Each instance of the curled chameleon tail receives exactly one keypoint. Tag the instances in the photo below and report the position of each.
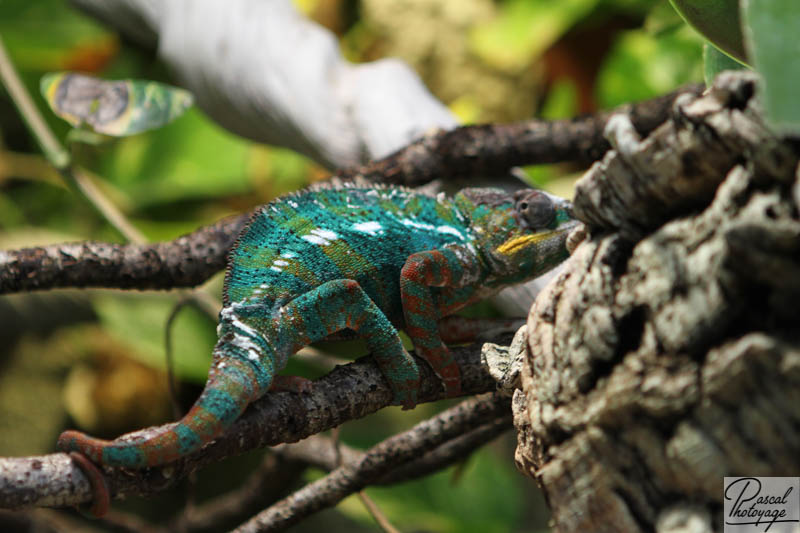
(232, 385)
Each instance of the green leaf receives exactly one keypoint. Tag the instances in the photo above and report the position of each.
(771, 35)
(119, 108)
(715, 62)
(716, 20)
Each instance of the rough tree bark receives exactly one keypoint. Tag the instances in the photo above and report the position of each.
(665, 356)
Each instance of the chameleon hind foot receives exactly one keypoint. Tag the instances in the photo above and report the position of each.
(342, 304)
(101, 499)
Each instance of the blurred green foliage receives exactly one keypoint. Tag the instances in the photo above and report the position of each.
(493, 59)
(524, 29)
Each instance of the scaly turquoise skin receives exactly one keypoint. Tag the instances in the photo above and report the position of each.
(372, 260)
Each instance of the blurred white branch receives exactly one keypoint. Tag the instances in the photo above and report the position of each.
(264, 71)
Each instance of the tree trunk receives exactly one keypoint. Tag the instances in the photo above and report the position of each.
(665, 356)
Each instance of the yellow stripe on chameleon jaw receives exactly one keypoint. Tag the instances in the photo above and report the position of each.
(514, 245)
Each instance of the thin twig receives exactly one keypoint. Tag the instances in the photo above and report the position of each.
(125, 522)
(205, 303)
(336, 445)
(274, 477)
(53, 150)
(172, 386)
(377, 462)
(449, 453)
(377, 514)
(81, 181)
(317, 451)
(372, 508)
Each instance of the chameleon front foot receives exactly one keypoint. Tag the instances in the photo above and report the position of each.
(443, 364)
(101, 499)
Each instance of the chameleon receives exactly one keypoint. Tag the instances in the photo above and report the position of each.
(369, 260)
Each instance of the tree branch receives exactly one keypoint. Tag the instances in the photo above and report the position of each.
(348, 392)
(493, 149)
(275, 475)
(193, 258)
(318, 451)
(187, 261)
(377, 462)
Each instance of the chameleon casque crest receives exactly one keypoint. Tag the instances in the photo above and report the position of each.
(367, 259)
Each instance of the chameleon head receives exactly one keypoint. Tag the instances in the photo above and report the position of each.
(521, 234)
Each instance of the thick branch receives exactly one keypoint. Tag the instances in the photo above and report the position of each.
(492, 149)
(377, 462)
(645, 182)
(348, 392)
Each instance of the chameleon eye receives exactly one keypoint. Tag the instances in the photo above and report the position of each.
(536, 209)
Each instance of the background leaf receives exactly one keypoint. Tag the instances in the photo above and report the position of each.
(118, 108)
(717, 20)
(771, 35)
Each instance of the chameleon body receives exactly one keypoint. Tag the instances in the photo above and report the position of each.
(371, 260)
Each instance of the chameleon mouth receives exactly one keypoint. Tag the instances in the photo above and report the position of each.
(514, 245)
